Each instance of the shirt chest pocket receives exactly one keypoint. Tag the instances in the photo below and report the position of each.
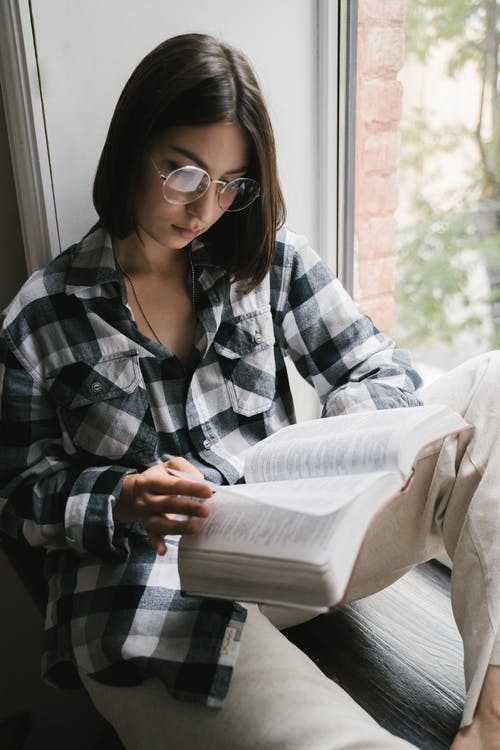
(245, 349)
(104, 410)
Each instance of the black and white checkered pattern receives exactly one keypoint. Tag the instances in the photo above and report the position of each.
(86, 398)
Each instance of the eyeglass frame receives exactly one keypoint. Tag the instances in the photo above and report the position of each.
(164, 177)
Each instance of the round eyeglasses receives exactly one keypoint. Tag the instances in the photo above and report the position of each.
(187, 184)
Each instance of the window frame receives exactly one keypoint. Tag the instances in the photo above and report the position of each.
(347, 51)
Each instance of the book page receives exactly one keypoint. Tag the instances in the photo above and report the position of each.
(239, 523)
(350, 451)
(314, 496)
(348, 444)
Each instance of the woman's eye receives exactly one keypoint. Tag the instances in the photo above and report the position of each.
(166, 166)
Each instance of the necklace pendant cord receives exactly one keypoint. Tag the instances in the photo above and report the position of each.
(138, 302)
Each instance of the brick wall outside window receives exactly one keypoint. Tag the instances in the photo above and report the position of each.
(378, 113)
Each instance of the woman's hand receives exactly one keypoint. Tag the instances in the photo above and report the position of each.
(154, 497)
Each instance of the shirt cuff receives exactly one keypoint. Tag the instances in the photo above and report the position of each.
(89, 523)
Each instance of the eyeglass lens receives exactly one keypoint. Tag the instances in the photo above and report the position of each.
(186, 184)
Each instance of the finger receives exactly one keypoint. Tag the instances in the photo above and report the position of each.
(158, 543)
(165, 526)
(157, 481)
(173, 504)
(181, 464)
(190, 487)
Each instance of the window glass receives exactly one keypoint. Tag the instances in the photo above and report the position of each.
(427, 176)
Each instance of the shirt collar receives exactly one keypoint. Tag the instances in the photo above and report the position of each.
(93, 263)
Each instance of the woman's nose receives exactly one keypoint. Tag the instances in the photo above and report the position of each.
(205, 207)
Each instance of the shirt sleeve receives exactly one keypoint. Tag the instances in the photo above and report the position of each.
(47, 494)
(350, 363)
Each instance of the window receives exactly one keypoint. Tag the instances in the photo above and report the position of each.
(426, 255)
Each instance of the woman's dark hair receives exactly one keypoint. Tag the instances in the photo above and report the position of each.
(193, 79)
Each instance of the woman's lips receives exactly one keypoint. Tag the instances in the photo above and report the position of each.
(185, 233)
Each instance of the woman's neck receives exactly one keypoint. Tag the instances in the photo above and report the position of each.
(145, 257)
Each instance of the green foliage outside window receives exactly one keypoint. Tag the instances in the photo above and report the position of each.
(451, 233)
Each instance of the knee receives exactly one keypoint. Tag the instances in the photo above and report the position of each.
(488, 365)
(475, 381)
(481, 380)
(494, 357)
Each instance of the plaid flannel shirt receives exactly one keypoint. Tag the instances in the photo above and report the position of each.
(86, 398)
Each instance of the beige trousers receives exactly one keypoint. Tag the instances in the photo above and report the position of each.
(278, 699)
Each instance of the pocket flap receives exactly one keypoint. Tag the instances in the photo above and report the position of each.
(245, 335)
(84, 383)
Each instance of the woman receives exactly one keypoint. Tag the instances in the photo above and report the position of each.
(159, 342)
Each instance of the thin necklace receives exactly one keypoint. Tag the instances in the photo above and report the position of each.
(146, 320)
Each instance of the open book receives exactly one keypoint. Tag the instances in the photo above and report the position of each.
(291, 535)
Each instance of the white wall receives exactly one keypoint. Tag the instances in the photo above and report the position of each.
(86, 52)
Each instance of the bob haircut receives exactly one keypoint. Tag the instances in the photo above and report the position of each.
(193, 79)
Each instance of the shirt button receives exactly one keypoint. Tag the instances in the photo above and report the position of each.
(257, 337)
(96, 386)
(207, 444)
